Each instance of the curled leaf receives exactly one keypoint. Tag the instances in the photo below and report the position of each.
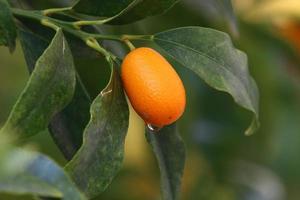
(100, 157)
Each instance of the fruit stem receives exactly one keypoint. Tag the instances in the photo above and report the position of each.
(129, 44)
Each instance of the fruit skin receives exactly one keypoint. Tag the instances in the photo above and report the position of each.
(153, 87)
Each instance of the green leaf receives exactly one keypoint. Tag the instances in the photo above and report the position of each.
(169, 150)
(100, 157)
(144, 9)
(48, 90)
(66, 134)
(103, 8)
(134, 10)
(33, 47)
(7, 26)
(211, 55)
(28, 172)
(67, 126)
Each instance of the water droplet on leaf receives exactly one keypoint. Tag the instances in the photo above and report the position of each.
(153, 128)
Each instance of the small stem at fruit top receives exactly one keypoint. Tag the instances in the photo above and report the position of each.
(129, 44)
(55, 10)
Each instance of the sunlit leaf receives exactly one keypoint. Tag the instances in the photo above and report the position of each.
(100, 157)
(211, 55)
(48, 90)
(170, 153)
(7, 26)
(27, 172)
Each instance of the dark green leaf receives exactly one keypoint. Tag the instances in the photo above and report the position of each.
(33, 47)
(7, 26)
(66, 133)
(135, 9)
(103, 8)
(67, 126)
(170, 153)
(100, 157)
(211, 55)
(144, 9)
(28, 172)
(49, 89)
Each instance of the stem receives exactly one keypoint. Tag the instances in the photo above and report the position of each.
(55, 10)
(93, 43)
(80, 23)
(89, 38)
(68, 26)
(28, 14)
(137, 37)
(106, 37)
(47, 23)
(37, 15)
(129, 44)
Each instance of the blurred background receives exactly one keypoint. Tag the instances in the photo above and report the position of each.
(222, 163)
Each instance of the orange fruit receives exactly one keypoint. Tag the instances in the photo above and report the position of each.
(153, 87)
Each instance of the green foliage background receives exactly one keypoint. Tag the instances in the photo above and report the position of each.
(222, 163)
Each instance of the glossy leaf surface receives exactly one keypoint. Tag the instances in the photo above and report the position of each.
(212, 56)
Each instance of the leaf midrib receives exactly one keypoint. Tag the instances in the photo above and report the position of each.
(218, 64)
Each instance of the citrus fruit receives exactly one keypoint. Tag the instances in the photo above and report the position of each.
(153, 87)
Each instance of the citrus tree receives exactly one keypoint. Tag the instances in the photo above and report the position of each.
(90, 130)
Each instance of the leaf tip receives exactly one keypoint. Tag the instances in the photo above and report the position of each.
(254, 126)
